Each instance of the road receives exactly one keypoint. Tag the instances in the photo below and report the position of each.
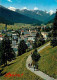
(39, 73)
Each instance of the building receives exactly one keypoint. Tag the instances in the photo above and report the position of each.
(14, 36)
(45, 34)
(31, 38)
(1, 37)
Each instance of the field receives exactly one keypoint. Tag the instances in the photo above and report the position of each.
(16, 26)
(48, 63)
(19, 66)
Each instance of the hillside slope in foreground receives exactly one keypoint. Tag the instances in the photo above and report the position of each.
(47, 64)
(48, 61)
(18, 66)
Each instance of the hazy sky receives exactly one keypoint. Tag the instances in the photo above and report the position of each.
(31, 4)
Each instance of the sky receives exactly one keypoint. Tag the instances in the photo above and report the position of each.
(48, 5)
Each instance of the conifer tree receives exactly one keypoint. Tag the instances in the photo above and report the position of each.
(54, 32)
(35, 56)
(39, 40)
(22, 47)
(7, 51)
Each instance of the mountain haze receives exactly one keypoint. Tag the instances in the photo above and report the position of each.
(40, 15)
(9, 16)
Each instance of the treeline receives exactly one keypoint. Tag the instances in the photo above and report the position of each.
(6, 51)
(54, 32)
(39, 40)
(46, 29)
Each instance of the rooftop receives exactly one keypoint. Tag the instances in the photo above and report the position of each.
(1, 36)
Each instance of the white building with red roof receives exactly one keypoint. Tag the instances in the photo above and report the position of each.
(1, 37)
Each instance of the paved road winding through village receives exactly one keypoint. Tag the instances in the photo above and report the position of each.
(39, 73)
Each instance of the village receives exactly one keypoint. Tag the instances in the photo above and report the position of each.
(28, 39)
(28, 35)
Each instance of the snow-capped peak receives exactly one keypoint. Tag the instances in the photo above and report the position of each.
(12, 8)
(35, 8)
(51, 12)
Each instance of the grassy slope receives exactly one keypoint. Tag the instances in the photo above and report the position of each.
(47, 63)
(15, 26)
(19, 67)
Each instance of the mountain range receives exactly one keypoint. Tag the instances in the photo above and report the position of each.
(24, 16)
(9, 17)
(40, 15)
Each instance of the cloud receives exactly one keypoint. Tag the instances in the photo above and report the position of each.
(51, 12)
(10, 0)
(35, 8)
(12, 8)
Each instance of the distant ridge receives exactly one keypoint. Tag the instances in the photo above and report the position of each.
(40, 15)
(9, 16)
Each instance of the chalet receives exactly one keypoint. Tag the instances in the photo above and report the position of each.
(14, 36)
(19, 39)
(31, 38)
(16, 51)
(15, 47)
(1, 37)
(12, 31)
(0, 33)
(13, 43)
(22, 31)
(45, 34)
(28, 44)
(33, 31)
(9, 34)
